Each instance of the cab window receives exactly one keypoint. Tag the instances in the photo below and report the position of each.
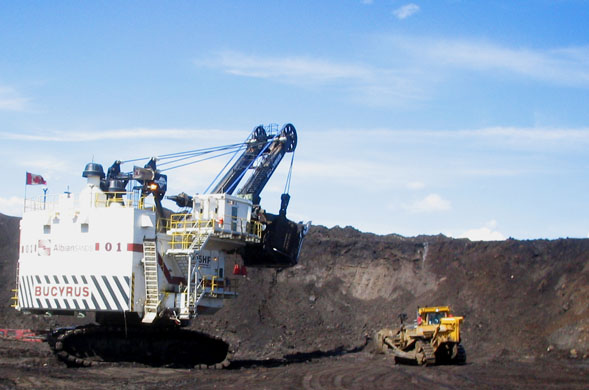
(434, 318)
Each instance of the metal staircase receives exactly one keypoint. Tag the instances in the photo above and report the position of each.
(199, 294)
(187, 242)
(194, 292)
(181, 255)
(189, 236)
(151, 281)
(198, 242)
(182, 262)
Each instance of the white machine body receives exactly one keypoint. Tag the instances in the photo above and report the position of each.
(104, 252)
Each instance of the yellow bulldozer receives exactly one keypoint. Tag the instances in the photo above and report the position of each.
(433, 338)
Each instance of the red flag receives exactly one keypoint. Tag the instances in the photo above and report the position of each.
(33, 179)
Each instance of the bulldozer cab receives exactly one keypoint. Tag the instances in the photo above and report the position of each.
(433, 315)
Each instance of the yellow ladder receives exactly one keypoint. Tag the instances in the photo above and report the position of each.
(14, 298)
(151, 281)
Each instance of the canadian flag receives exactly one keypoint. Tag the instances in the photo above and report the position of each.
(33, 179)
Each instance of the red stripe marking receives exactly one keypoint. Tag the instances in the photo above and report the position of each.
(134, 247)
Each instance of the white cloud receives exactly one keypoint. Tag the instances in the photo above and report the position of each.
(409, 68)
(515, 138)
(568, 66)
(482, 234)
(11, 206)
(524, 137)
(431, 203)
(366, 84)
(10, 100)
(485, 233)
(286, 69)
(406, 11)
(505, 135)
(118, 134)
(533, 134)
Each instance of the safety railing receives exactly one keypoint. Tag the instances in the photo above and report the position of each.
(214, 283)
(194, 292)
(255, 228)
(185, 229)
(68, 201)
(182, 240)
(202, 286)
(162, 224)
(132, 199)
(215, 286)
(186, 222)
(188, 232)
(43, 202)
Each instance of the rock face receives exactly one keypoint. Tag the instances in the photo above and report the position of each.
(519, 298)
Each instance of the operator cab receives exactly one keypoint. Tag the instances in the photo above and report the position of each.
(433, 315)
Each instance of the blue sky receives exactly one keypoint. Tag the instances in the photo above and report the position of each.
(465, 118)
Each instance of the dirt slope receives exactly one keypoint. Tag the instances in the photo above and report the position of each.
(519, 297)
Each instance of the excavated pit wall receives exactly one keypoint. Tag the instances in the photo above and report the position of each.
(519, 298)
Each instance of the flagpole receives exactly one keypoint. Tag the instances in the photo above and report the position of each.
(32, 179)
(25, 202)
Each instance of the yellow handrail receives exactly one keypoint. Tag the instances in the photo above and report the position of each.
(214, 283)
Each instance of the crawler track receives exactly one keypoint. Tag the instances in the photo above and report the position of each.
(426, 355)
(170, 347)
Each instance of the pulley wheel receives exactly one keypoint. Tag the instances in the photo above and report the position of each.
(259, 134)
(289, 132)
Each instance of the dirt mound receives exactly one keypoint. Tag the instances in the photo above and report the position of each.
(519, 298)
